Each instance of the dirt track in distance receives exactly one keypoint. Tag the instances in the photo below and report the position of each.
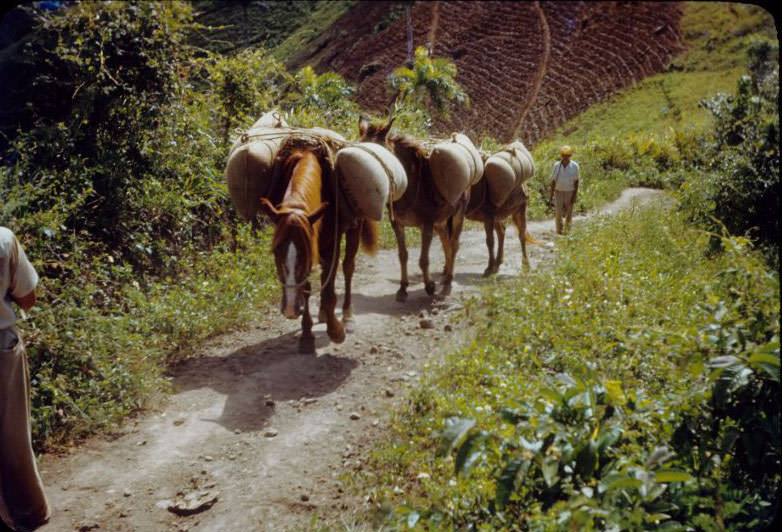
(269, 431)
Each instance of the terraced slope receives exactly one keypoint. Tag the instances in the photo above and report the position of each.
(528, 67)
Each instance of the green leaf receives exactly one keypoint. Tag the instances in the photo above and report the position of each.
(469, 452)
(550, 468)
(620, 482)
(513, 415)
(766, 358)
(723, 361)
(670, 475)
(586, 459)
(506, 484)
(455, 429)
(607, 438)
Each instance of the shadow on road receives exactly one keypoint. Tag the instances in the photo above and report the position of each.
(258, 374)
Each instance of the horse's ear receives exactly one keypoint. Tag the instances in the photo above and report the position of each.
(315, 215)
(268, 209)
(390, 122)
(363, 125)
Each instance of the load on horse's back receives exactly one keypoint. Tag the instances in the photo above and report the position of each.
(502, 193)
(248, 171)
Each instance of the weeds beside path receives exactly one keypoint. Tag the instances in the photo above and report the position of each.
(262, 434)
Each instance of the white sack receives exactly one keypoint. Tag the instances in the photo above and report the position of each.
(370, 176)
(456, 165)
(508, 169)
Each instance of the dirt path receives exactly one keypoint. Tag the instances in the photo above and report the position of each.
(268, 431)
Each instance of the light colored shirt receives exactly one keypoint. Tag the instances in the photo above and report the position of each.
(19, 282)
(565, 177)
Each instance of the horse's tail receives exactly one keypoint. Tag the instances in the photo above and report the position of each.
(531, 239)
(370, 236)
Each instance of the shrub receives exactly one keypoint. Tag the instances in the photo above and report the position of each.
(740, 189)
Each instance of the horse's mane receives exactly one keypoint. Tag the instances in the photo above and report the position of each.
(306, 192)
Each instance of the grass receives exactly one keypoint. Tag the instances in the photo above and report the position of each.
(622, 306)
(107, 362)
(320, 18)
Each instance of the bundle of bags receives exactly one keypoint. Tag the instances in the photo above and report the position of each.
(507, 170)
(369, 175)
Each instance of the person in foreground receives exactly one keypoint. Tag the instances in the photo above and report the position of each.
(23, 504)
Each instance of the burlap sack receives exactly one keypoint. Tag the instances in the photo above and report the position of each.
(248, 171)
(456, 165)
(370, 177)
(506, 170)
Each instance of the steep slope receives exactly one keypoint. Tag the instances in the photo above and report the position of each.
(528, 67)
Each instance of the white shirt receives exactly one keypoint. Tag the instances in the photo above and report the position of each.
(24, 278)
(565, 176)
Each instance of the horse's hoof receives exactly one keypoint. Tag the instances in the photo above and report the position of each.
(307, 345)
(487, 272)
(349, 324)
(445, 290)
(525, 266)
(337, 334)
(430, 287)
(401, 295)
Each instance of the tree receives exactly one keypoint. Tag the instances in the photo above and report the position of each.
(430, 82)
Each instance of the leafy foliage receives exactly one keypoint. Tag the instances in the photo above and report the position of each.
(116, 191)
(740, 189)
(598, 395)
(428, 81)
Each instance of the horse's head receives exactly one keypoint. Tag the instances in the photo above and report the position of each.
(377, 133)
(295, 251)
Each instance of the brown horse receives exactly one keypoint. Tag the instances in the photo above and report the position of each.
(420, 206)
(482, 210)
(310, 222)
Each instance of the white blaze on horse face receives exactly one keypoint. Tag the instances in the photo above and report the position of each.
(290, 282)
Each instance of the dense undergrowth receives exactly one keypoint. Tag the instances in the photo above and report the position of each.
(632, 385)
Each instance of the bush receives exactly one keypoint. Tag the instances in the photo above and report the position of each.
(634, 385)
(739, 189)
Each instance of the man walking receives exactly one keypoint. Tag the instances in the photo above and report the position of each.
(23, 504)
(564, 188)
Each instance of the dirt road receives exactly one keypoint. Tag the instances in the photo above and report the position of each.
(257, 435)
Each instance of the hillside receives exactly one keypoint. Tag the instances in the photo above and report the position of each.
(527, 67)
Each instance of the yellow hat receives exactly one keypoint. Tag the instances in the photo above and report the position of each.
(566, 150)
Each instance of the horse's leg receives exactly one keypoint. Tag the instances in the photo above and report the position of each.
(520, 220)
(427, 232)
(489, 230)
(307, 340)
(399, 233)
(328, 296)
(445, 240)
(499, 226)
(453, 231)
(348, 267)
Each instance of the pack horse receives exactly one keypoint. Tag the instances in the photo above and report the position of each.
(309, 227)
